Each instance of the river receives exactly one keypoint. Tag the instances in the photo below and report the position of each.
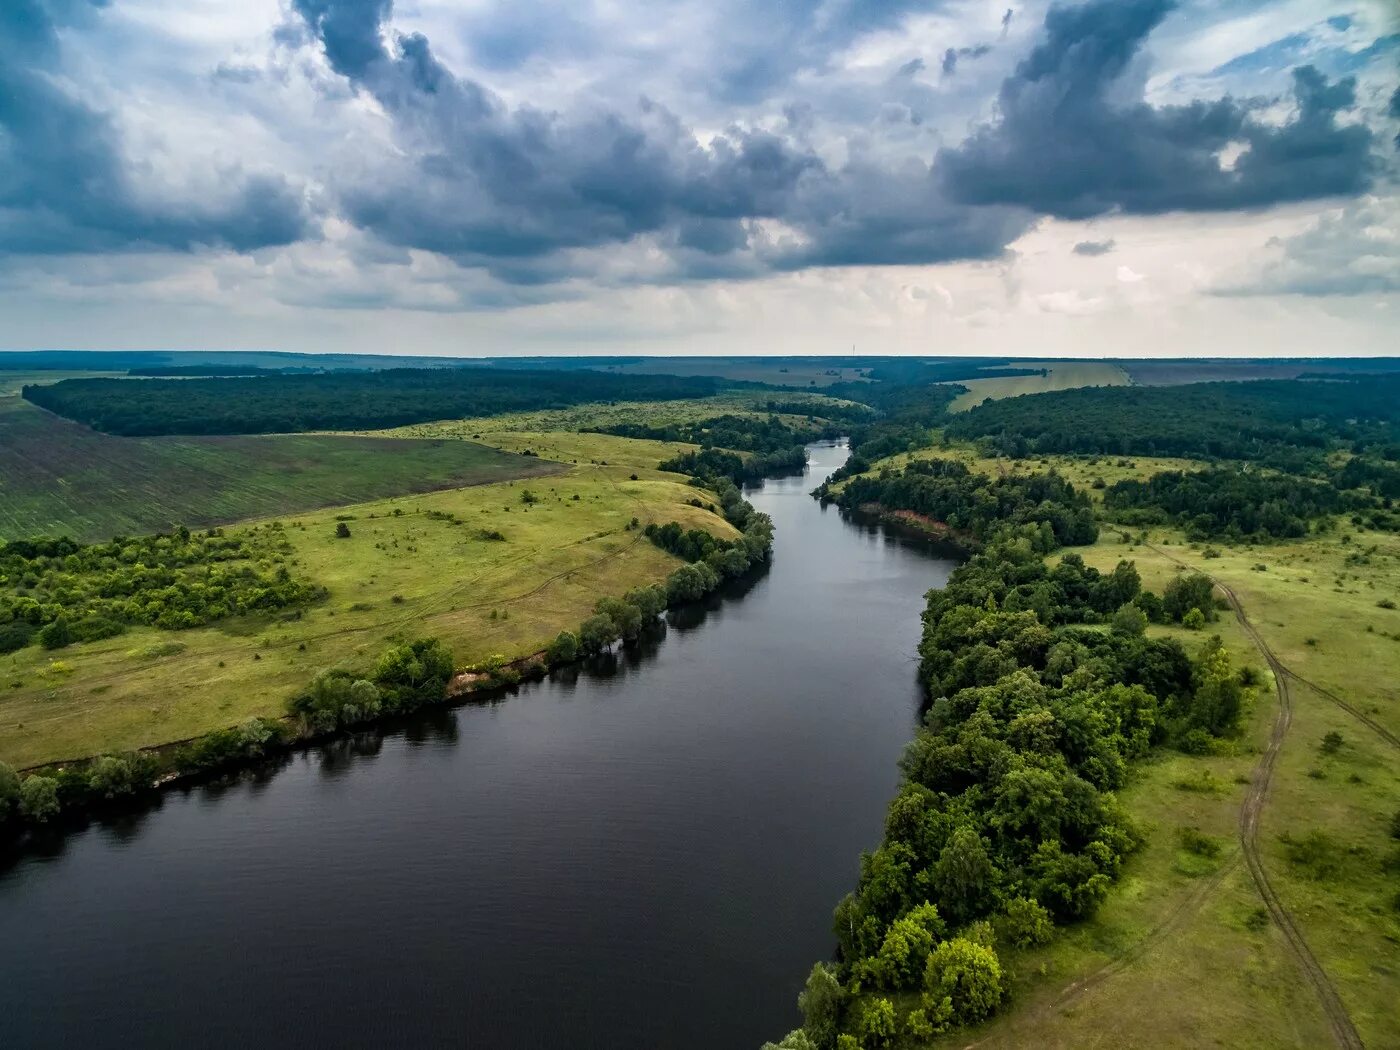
(638, 859)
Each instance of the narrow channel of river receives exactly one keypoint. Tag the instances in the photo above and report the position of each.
(640, 860)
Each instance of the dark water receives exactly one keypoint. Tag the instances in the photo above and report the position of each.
(646, 859)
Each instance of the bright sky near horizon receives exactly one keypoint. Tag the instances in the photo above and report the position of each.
(1112, 177)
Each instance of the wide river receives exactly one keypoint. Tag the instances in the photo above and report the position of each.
(641, 859)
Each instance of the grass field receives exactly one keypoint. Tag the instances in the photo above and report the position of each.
(57, 477)
(406, 569)
(647, 413)
(1183, 953)
(1061, 375)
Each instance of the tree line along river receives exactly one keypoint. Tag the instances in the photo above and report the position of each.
(645, 855)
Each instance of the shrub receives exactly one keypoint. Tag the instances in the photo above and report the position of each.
(39, 799)
(1024, 923)
(413, 674)
(1192, 840)
(1331, 743)
(342, 530)
(962, 983)
(56, 634)
(117, 776)
(1194, 620)
(564, 648)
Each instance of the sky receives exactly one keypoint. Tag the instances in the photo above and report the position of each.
(1114, 178)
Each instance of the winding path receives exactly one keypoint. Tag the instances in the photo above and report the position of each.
(1343, 1030)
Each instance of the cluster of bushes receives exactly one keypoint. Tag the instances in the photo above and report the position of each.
(56, 592)
(274, 404)
(750, 433)
(1233, 504)
(41, 797)
(408, 676)
(975, 505)
(1005, 824)
(711, 562)
(714, 463)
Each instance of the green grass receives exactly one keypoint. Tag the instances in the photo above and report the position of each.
(407, 573)
(1063, 375)
(62, 478)
(648, 413)
(1212, 973)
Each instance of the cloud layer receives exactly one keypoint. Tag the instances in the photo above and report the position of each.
(357, 156)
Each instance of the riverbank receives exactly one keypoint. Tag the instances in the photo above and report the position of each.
(672, 825)
(481, 568)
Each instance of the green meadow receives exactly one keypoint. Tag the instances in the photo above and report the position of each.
(479, 567)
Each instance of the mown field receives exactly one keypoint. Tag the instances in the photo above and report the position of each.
(1061, 375)
(413, 565)
(60, 478)
(1184, 952)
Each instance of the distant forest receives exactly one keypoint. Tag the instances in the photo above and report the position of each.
(1283, 421)
(342, 401)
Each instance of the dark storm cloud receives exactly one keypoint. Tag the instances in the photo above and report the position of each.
(507, 188)
(65, 182)
(952, 55)
(1093, 247)
(1067, 145)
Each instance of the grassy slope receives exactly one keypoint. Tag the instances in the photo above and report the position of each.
(1063, 375)
(62, 478)
(559, 557)
(1173, 958)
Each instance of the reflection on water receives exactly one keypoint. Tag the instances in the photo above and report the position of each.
(641, 853)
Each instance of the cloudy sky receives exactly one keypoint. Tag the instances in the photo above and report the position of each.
(1116, 177)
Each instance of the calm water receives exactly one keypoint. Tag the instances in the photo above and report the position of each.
(646, 858)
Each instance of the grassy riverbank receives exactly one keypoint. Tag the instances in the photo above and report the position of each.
(1184, 950)
(413, 565)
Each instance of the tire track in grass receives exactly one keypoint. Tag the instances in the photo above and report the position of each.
(1338, 1019)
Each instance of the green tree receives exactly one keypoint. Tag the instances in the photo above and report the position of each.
(877, 1024)
(564, 648)
(414, 673)
(626, 617)
(1023, 923)
(56, 634)
(596, 633)
(9, 792)
(963, 981)
(1130, 620)
(1219, 697)
(1194, 619)
(651, 601)
(39, 798)
(964, 875)
(821, 1003)
(342, 530)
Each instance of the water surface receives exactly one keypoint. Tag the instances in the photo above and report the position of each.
(636, 860)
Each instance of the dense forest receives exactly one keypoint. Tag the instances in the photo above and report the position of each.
(976, 505)
(1284, 422)
(1228, 503)
(341, 400)
(748, 433)
(57, 592)
(1006, 825)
